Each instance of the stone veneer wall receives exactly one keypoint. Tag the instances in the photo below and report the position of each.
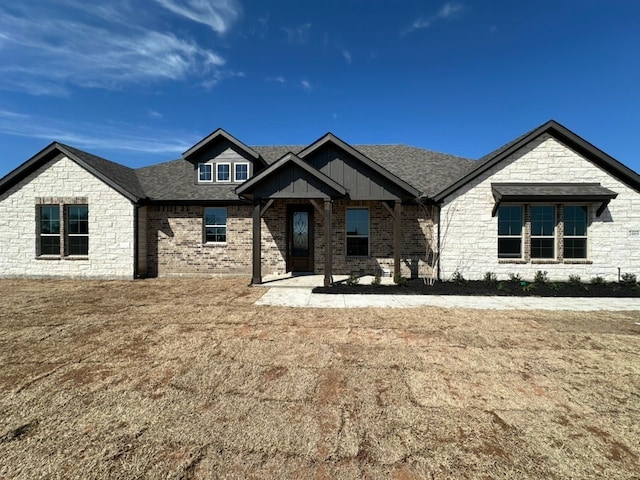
(469, 232)
(111, 225)
(175, 241)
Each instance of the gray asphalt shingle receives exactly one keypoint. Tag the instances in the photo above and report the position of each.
(425, 170)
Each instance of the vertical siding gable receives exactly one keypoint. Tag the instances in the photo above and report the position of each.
(362, 182)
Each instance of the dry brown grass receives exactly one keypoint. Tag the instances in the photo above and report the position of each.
(189, 379)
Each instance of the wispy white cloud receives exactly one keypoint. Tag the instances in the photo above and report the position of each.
(219, 15)
(220, 75)
(298, 35)
(277, 79)
(154, 114)
(95, 136)
(447, 11)
(306, 86)
(347, 55)
(47, 51)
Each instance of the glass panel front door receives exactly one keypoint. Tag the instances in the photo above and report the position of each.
(300, 225)
(300, 239)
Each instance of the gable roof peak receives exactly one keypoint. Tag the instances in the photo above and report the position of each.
(564, 135)
(221, 133)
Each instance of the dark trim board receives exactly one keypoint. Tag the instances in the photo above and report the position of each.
(564, 135)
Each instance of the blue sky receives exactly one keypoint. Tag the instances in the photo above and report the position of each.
(140, 81)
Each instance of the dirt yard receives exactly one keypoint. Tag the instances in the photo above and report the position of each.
(189, 379)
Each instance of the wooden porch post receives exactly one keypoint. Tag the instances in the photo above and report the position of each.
(397, 223)
(328, 249)
(257, 243)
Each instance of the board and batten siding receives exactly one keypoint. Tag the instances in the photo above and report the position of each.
(111, 225)
(468, 232)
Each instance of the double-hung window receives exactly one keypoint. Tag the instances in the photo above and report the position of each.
(49, 242)
(77, 230)
(575, 231)
(205, 172)
(543, 223)
(510, 222)
(223, 172)
(357, 220)
(215, 225)
(241, 172)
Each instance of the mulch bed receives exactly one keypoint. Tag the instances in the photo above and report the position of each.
(503, 288)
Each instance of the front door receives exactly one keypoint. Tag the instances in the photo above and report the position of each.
(300, 238)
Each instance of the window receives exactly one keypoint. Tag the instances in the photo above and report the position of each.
(575, 231)
(50, 230)
(205, 172)
(241, 172)
(215, 225)
(223, 172)
(357, 220)
(74, 241)
(78, 230)
(543, 222)
(510, 219)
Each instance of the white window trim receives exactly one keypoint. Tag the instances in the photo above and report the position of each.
(554, 236)
(212, 168)
(521, 236)
(347, 236)
(230, 172)
(206, 225)
(235, 172)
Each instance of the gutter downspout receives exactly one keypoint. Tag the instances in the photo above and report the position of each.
(135, 240)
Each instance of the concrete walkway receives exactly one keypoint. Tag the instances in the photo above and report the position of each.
(294, 296)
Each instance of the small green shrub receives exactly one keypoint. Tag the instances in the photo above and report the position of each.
(555, 286)
(540, 278)
(597, 280)
(490, 278)
(398, 279)
(501, 287)
(574, 279)
(628, 279)
(515, 277)
(457, 277)
(353, 279)
(377, 278)
(528, 287)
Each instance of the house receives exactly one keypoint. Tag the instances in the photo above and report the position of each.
(547, 201)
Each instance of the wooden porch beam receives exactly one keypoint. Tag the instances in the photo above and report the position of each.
(257, 243)
(266, 207)
(397, 224)
(328, 249)
(386, 205)
(317, 207)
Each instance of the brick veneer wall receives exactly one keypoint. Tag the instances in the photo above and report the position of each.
(62, 181)
(469, 232)
(175, 241)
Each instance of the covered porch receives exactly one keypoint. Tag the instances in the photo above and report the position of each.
(295, 204)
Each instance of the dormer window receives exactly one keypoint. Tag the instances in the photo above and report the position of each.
(205, 172)
(223, 172)
(241, 172)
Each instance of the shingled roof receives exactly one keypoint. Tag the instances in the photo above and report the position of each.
(121, 178)
(426, 170)
(435, 175)
(175, 181)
